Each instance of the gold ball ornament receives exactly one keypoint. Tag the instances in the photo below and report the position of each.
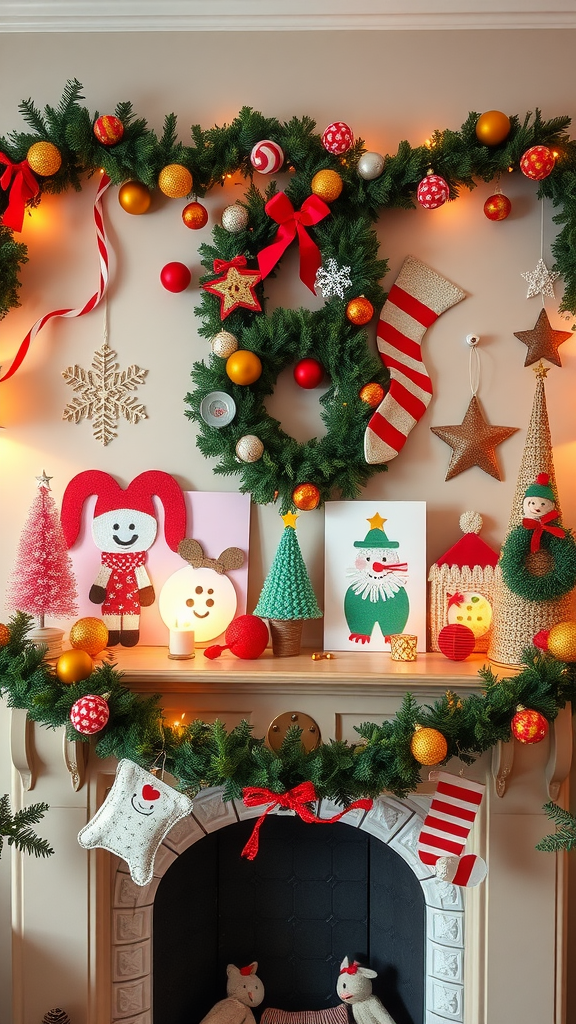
(4, 635)
(44, 158)
(134, 197)
(562, 641)
(428, 746)
(175, 181)
(73, 666)
(306, 497)
(327, 185)
(224, 344)
(243, 367)
(492, 127)
(359, 311)
(90, 635)
(371, 394)
(195, 216)
(249, 448)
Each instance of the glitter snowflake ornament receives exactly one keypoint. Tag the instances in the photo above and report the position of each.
(103, 394)
(540, 280)
(333, 280)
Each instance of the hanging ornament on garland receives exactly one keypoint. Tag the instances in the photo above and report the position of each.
(224, 344)
(456, 641)
(529, 726)
(89, 634)
(175, 276)
(561, 641)
(175, 181)
(492, 127)
(359, 311)
(428, 746)
(234, 219)
(89, 714)
(537, 162)
(235, 288)
(308, 373)
(134, 197)
(108, 129)
(497, 207)
(243, 367)
(370, 166)
(44, 158)
(4, 635)
(74, 666)
(337, 138)
(267, 157)
(371, 394)
(306, 497)
(195, 216)
(433, 191)
(327, 185)
(249, 448)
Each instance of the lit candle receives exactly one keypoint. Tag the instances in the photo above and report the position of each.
(181, 643)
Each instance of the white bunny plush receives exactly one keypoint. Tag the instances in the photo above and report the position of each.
(354, 987)
(244, 990)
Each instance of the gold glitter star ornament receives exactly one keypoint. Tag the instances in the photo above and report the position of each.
(473, 442)
(235, 288)
(542, 341)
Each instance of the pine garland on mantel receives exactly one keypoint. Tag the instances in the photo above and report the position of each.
(200, 755)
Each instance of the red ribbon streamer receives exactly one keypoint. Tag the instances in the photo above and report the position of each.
(294, 222)
(220, 266)
(540, 526)
(23, 186)
(296, 799)
(92, 301)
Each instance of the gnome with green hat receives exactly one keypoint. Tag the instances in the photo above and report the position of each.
(377, 591)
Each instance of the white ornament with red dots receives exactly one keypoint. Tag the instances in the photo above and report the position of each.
(267, 157)
(89, 714)
(433, 191)
(338, 138)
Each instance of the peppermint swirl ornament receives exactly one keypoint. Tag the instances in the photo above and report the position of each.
(433, 191)
(267, 157)
(89, 714)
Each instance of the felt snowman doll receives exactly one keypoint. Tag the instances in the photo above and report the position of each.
(123, 528)
(377, 592)
(539, 511)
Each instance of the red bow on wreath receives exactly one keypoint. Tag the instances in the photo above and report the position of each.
(296, 799)
(540, 526)
(294, 222)
(19, 179)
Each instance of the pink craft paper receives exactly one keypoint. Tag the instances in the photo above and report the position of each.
(216, 519)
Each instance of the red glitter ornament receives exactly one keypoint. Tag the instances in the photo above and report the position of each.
(108, 129)
(246, 637)
(497, 207)
(456, 641)
(89, 714)
(308, 373)
(432, 192)
(195, 216)
(529, 726)
(537, 162)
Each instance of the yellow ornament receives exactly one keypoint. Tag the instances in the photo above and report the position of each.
(306, 497)
(134, 197)
(243, 367)
(492, 127)
(90, 635)
(428, 746)
(372, 394)
(562, 641)
(73, 666)
(44, 158)
(327, 185)
(4, 635)
(175, 181)
(359, 311)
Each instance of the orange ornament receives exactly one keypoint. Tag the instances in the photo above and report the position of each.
(492, 127)
(175, 181)
(134, 197)
(327, 185)
(90, 635)
(428, 746)
(372, 394)
(243, 367)
(360, 310)
(4, 635)
(73, 666)
(529, 726)
(497, 207)
(44, 158)
(306, 497)
(195, 216)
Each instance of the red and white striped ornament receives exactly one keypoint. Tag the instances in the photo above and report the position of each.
(89, 714)
(416, 299)
(446, 828)
(432, 192)
(267, 157)
(337, 138)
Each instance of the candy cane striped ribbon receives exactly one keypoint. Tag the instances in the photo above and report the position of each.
(92, 301)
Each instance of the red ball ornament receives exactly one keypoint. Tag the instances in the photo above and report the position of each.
(529, 726)
(175, 277)
(89, 714)
(497, 207)
(337, 138)
(432, 192)
(308, 373)
(108, 129)
(537, 162)
(195, 216)
(456, 641)
(246, 637)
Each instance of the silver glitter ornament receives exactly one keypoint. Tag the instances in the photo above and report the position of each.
(224, 344)
(370, 166)
(249, 448)
(234, 219)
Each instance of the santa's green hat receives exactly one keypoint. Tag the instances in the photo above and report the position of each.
(376, 538)
(540, 488)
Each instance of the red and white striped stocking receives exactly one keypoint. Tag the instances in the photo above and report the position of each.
(417, 298)
(445, 831)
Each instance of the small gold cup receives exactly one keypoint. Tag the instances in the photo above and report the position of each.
(403, 647)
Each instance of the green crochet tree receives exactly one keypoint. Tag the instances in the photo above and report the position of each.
(287, 597)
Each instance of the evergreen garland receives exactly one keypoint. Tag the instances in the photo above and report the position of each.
(560, 578)
(565, 836)
(16, 828)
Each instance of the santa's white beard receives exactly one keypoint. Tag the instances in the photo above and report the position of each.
(376, 589)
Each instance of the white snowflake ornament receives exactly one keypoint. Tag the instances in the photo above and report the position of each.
(333, 280)
(135, 817)
(540, 280)
(104, 394)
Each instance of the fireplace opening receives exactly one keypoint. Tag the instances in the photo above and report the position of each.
(314, 894)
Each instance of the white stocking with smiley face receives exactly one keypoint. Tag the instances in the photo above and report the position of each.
(199, 599)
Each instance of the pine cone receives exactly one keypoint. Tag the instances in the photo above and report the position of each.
(56, 1016)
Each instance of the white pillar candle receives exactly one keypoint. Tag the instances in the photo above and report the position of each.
(181, 644)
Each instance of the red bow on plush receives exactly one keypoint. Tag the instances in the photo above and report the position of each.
(351, 969)
(540, 526)
(17, 178)
(296, 799)
(294, 222)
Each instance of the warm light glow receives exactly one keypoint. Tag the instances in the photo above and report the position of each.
(179, 723)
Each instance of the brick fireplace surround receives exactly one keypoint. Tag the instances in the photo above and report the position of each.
(82, 931)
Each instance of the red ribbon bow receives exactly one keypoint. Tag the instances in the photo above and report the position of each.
(19, 179)
(294, 222)
(220, 266)
(296, 799)
(540, 526)
(351, 969)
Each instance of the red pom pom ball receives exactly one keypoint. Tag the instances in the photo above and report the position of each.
(175, 277)
(308, 373)
(456, 641)
(246, 637)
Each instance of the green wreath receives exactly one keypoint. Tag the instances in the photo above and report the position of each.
(559, 580)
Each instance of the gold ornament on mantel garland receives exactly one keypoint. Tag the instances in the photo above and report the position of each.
(44, 158)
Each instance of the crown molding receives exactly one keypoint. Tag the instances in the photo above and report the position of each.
(281, 15)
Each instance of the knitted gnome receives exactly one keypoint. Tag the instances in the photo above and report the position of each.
(540, 512)
(462, 582)
(377, 592)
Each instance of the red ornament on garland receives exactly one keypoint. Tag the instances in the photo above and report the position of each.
(246, 637)
(433, 191)
(359, 311)
(175, 277)
(195, 216)
(337, 138)
(537, 162)
(108, 129)
(456, 641)
(308, 373)
(529, 726)
(371, 394)
(497, 207)
(89, 714)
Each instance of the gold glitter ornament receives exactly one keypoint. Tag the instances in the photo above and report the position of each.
(428, 746)
(306, 497)
(44, 158)
(327, 185)
(89, 634)
(562, 641)
(372, 394)
(359, 311)
(249, 448)
(224, 344)
(4, 635)
(175, 181)
(195, 216)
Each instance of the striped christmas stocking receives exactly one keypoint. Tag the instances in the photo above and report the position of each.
(417, 298)
(445, 831)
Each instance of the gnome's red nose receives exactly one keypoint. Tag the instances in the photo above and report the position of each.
(378, 566)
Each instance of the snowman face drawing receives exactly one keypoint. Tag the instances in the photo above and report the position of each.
(375, 562)
(200, 599)
(124, 530)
